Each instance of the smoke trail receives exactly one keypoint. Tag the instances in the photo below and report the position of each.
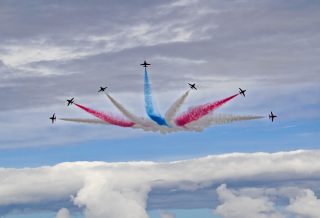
(80, 120)
(140, 122)
(107, 118)
(197, 112)
(197, 126)
(172, 111)
(156, 117)
(125, 112)
(217, 119)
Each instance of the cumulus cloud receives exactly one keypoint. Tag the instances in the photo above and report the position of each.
(305, 204)
(103, 197)
(166, 214)
(127, 189)
(234, 206)
(63, 213)
(268, 202)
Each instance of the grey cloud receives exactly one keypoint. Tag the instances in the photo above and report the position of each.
(68, 49)
(58, 20)
(85, 70)
(235, 47)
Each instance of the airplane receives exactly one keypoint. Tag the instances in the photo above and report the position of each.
(102, 89)
(272, 116)
(70, 101)
(192, 86)
(53, 118)
(145, 64)
(242, 92)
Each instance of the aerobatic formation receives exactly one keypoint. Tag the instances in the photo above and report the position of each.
(195, 118)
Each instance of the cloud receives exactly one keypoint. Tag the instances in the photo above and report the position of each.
(102, 197)
(305, 204)
(234, 206)
(48, 56)
(128, 189)
(166, 214)
(63, 213)
(41, 46)
(268, 202)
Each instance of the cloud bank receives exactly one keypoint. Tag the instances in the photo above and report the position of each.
(265, 184)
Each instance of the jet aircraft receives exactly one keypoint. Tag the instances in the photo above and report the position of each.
(272, 116)
(70, 101)
(145, 64)
(53, 118)
(102, 89)
(242, 92)
(192, 86)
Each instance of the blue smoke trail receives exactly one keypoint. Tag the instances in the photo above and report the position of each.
(156, 117)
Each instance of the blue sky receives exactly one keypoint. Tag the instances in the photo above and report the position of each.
(249, 136)
(52, 51)
(205, 213)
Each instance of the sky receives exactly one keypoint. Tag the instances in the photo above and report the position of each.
(54, 50)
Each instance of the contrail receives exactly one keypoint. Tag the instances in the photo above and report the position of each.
(156, 117)
(197, 126)
(145, 127)
(197, 112)
(107, 118)
(80, 120)
(140, 122)
(217, 119)
(128, 114)
(172, 111)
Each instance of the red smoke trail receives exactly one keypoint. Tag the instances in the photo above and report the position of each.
(197, 112)
(107, 118)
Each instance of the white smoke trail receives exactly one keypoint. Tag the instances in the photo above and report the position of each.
(140, 122)
(125, 112)
(147, 128)
(197, 126)
(217, 119)
(172, 111)
(80, 120)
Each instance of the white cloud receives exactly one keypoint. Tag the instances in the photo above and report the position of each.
(305, 204)
(166, 214)
(122, 189)
(177, 60)
(103, 197)
(234, 206)
(182, 3)
(20, 54)
(63, 213)
(261, 202)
